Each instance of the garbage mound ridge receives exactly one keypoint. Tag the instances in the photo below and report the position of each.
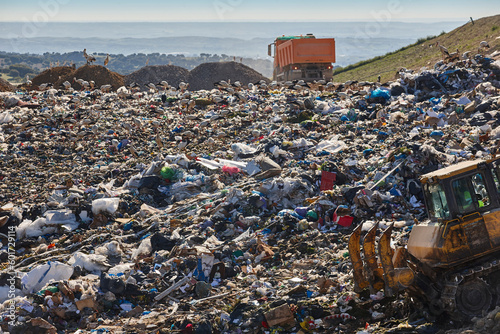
(205, 75)
(97, 73)
(155, 74)
(51, 75)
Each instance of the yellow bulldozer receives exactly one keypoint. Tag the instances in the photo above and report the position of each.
(451, 262)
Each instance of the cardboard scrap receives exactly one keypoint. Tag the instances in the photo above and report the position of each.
(89, 302)
(280, 315)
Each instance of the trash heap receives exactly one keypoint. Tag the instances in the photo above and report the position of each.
(204, 75)
(224, 210)
(174, 75)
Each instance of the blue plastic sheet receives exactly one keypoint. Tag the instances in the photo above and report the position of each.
(381, 93)
(437, 133)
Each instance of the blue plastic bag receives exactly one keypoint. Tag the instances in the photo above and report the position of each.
(380, 93)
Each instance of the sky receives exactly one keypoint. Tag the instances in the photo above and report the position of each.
(244, 10)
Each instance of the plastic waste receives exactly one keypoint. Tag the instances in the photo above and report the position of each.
(38, 277)
(6, 117)
(143, 249)
(301, 211)
(105, 205)
(52, 221)
(381, 93)
(231, 170)
(171, 174)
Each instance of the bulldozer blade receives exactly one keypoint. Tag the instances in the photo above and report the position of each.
(371, 265)
(385, 254)
(360, 282)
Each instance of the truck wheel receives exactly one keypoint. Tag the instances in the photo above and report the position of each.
(473, 297)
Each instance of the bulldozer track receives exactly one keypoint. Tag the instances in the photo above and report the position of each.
(454, 280)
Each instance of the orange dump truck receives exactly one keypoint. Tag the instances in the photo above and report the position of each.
(303, 57)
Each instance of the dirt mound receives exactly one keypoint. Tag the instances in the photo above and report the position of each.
(52, 75)
(203, 76)
(97, 73)
(5, 86)
(154, 74)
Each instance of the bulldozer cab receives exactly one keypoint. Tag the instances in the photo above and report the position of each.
(458, 191)
(463, 227)
(463, 205)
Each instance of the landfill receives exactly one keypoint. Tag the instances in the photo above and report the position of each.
(225, 210)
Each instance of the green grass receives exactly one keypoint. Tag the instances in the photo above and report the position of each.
(7, 77)
(422, 53)
(380, 58)
(13, 81)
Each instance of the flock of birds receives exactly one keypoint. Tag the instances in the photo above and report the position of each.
(84, 84)
(91, 58)
(298, 85)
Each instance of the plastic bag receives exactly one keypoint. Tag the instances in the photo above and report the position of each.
(109, 205)
(231, 170)
(37, 278)
(5, 117)
(381, 93)
(171, 174)
(144, 248)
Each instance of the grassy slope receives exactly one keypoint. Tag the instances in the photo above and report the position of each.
(465, 38)
(5, 77)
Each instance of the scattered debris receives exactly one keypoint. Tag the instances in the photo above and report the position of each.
(225, 209)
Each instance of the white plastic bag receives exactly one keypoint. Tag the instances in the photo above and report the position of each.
(144, 248)
(109, 205)
(37, 278)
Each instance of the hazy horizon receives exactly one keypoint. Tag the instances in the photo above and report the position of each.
(242, 30)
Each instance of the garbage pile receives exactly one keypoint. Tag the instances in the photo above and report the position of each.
(172, 74)
(225, 210)
(203, 76)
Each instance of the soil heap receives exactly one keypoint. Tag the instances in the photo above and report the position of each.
(52, 75)
(5, 86)
(99, 74)
(204, 75)
(155, 74)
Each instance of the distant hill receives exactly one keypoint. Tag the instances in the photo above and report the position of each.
(425, 53)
